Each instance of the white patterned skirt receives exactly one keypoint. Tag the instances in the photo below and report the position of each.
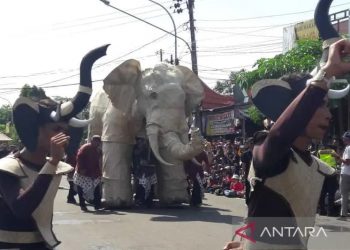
(88, 185)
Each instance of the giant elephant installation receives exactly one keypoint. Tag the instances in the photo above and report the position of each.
(154, 103)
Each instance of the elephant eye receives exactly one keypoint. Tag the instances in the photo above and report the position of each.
(153, 95)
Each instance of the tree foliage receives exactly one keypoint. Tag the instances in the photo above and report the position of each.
(225, 87)
(255, 115)
(33, 92)
(302, 58)
(6, 125)
(5, 114)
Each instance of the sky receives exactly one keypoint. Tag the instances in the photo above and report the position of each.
(42, 42)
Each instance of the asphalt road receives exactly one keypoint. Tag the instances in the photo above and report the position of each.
(185, 228)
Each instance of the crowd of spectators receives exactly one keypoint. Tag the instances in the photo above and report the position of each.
(229, 161)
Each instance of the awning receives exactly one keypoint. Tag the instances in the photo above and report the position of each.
(213, 100)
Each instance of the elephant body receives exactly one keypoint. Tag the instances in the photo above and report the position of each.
(155, 103)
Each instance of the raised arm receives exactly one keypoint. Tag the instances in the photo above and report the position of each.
(272, 154)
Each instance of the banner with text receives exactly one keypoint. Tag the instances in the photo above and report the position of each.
(220, 123)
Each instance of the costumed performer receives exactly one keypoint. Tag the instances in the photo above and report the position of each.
(286, 179)
(29, 180)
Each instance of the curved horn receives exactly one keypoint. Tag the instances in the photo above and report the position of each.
(56, 115)
(322, 21)
(81, 99)
(327, 32)
(337, 94)
(77, 123)
(152, 133)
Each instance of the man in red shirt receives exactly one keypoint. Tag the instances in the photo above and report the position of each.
(88, 173)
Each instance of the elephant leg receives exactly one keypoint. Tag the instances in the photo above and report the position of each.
(116, 175)
(172, 191)
(172, 183)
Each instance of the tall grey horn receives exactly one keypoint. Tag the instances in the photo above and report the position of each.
(329, 35)
(77, 104)
(327, 32)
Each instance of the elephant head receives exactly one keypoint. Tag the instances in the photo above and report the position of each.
(165, 96)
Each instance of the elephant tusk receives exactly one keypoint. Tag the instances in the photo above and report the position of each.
(77, 123)
(153, 142)
(337, 94)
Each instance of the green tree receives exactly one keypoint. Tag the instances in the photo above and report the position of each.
(6, 125)
(302, 58)
(226, 87)
(33, 92)
(5, 114)
(255, 115)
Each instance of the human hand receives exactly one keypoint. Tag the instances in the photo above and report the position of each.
(57, 145)
(335, 65)
(197, 140)
(335, 155)
(234, 245)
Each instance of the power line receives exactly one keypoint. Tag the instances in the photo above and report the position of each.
(244, 27)
(97, 66)
(240, 34)
(142, 20)
(246, 33)
(243, 52)
(110, 14)
(261, 17)
(247, 46)
(65, 78)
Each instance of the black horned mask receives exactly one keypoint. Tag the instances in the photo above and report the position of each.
(29, 115)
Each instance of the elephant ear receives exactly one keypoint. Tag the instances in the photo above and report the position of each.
(121, 84)
(98, 108)
(193, 88)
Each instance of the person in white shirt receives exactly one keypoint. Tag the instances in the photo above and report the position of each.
(345, 175)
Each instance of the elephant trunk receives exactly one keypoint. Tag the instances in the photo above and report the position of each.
(180, 150)
(153, 137)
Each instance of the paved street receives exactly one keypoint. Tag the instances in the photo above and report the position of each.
(186, 228)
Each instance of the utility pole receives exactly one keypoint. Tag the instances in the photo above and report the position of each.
(190, 6)
(160, 54)
(176, 59)
(178, 9)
